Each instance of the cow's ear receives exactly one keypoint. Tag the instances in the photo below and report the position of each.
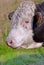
(10, 15)
(38, 18)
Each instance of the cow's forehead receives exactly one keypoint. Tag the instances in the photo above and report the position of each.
(27, 4)
(25, 8)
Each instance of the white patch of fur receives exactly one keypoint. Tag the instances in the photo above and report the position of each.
(33, 45)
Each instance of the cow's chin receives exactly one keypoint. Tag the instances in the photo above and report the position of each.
(14, 45)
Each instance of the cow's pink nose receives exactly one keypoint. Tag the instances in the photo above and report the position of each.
(9, 42)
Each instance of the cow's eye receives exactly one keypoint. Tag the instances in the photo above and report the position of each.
(26, 21)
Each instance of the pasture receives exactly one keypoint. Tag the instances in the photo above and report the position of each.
(9, 56)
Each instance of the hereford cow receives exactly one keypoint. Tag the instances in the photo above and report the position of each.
(25, 22)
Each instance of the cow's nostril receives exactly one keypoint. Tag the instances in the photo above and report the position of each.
(10, 42)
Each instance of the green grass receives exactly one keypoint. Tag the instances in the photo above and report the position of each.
(9, 56)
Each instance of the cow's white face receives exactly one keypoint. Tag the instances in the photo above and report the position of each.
(19, 35)
(21, 25)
